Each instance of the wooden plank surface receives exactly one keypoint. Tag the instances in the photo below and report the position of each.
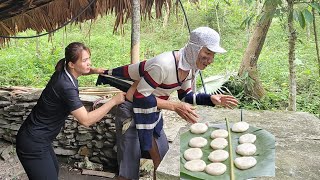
(98, 173)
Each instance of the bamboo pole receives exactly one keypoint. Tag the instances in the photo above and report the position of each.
(230, 151)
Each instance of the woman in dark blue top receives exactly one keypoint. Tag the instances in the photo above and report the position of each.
(59, 98)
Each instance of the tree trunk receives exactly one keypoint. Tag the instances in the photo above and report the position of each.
(259, 6)
(292, 71)
(251, 55)
(135, 31)
(316, 38)
(206, 12)
(38, 47)
(308, 31)
(217, 18)
(177, 9)
(166, 17)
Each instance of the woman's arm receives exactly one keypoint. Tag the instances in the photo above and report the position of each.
(88, 118)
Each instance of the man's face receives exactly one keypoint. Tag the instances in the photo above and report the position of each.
(205, 58)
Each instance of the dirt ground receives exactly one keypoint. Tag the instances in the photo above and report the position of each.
(11, 169)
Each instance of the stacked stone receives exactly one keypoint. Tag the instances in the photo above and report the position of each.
(4, 102)
(104, 140)
(97, 142)
(15, 106)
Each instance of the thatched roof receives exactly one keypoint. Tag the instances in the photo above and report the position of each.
(47, 15)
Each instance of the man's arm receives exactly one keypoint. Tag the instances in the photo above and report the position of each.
(226, 101)
(95, 71)
(184, 110)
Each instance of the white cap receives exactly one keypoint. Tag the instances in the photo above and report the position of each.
(207, 37)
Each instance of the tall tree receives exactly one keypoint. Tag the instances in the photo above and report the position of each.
(304, 17)
(167, 14)
(292, 69)
(316, 36)
(135, 31)
(253, 50)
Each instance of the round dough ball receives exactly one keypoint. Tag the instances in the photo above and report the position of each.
(218, 155)
(219, 133)
(216, 169)
(198, 128)
(198, 142)
(195, 165)
(192, 154)
(246, 149)
(219, 143)
(240, 127)
(245, 162)
(247, 138)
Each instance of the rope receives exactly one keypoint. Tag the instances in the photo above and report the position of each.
(96, 102)
(186, 19)
(52, 31)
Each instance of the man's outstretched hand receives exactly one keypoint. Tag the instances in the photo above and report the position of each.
(224, 100)
(187, 112)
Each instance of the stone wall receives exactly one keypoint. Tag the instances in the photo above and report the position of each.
(75, 141)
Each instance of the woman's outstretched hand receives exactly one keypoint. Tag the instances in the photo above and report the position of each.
(187, 112)
(119, 98)
(224, 100)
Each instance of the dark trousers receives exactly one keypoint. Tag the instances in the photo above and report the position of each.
(128, 145)
(38, 159)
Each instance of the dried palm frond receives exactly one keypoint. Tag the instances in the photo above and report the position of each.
(215, 84)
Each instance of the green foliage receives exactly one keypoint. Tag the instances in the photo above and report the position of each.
(247, 22)
(274, 2)
(307, 15)
(298, 16)
(23, 64)
(316, 6)
(302, 13)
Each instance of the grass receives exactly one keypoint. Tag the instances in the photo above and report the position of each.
(23, 64)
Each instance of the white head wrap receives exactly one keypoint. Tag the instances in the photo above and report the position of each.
(188, 56)
(199, 38)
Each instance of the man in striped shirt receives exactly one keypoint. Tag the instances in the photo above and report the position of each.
(154, 81)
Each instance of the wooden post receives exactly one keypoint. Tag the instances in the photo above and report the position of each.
(135, 31)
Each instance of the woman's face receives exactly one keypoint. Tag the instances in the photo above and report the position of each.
(205, 58)
(83, 65)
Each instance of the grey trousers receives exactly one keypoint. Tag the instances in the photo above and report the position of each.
(128, 146)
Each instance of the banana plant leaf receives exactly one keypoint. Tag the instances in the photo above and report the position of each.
(265, 155)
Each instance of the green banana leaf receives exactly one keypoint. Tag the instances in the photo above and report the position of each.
(265, 155)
